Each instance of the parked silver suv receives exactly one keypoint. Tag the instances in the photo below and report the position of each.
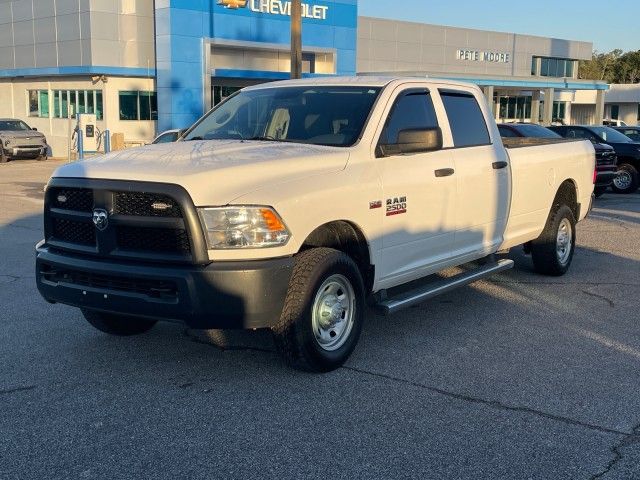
(19, 140)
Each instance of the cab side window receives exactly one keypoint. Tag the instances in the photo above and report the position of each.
(468, 126)
(412, 110)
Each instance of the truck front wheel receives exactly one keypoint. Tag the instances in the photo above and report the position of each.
(121, 325)
(552, 251)
(627, 179)
(323, 312)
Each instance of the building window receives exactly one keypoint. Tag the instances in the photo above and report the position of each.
(615, 112)
(38, 103)
(553, 67)
(515, 108)
(639, 112)
(220, 93)
(81, 101)
(136, 105)
(559, 110)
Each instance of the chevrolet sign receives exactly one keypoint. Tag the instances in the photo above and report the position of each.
(277, 7)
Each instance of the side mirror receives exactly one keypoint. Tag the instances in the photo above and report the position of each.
(415, 140)
(34, 129)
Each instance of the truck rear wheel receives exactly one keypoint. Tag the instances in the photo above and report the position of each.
(121, 325)
(552, 251)
(627, 179)
(323, 312)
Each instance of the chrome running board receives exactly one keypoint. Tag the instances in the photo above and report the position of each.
(404, 300)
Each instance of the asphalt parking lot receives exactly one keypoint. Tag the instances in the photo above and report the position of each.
(520, 376)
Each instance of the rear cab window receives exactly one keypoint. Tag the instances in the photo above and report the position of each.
(467, 123)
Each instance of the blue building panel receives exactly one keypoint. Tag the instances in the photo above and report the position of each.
(182, 27)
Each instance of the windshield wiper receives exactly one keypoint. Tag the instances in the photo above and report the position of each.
(264, 138)
(193, 138)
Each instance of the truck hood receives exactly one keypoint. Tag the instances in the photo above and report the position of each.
(18, 134)
(214, 172)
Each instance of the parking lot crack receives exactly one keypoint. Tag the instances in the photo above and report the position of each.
(10, 278)
(602, 297)
(17, 389)
(627, 440)
(498, 405)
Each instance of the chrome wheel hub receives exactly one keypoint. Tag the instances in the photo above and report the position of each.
(333, 312)
(564, 241)
(622, 180)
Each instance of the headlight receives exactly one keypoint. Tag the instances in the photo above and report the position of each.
(7, 142)
(243, 227)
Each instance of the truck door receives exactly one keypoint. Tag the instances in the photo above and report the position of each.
(482, 176)
(419, 194)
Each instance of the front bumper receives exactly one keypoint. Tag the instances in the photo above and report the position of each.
(25, 152)
(605, 178)
(232, 295)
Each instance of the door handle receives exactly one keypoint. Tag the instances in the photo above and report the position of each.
(499, 165)
(444, 172)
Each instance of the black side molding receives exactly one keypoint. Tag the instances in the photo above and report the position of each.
(499, 165)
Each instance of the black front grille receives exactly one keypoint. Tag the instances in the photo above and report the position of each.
(153, 288)
(154, 222)
(77, 199)
(160, 240)
(70, 231)
(146, 205)
(606, 159)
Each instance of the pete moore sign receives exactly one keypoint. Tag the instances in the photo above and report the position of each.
(483, 56)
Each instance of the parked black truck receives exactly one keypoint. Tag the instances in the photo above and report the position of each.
(606, 160)
(628, 152)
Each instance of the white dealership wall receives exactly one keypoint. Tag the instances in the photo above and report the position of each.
(14, 104)
(625, 96)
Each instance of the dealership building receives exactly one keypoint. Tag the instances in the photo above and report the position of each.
(143, 67)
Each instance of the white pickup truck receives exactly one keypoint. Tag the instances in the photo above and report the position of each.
(292, 204)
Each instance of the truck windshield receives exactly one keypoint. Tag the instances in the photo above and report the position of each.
(608, 134)
(315, 115)
(13, 125)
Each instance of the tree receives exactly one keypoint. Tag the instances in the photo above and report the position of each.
(613, 67)
(628, 68)
(602, 66)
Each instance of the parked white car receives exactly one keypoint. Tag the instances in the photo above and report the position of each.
(292, 203)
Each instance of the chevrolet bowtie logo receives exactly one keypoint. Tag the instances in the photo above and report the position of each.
(233, 3)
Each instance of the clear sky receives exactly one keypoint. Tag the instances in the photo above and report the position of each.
(608, 24)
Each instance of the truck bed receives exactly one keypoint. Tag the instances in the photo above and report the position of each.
(519, 142)
(536, 173)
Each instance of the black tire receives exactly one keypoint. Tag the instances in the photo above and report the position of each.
(120, 325)
(599, 191)
(294, 334)
(544, 252)
(631, 173)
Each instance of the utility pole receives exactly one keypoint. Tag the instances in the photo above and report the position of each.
(296, 39)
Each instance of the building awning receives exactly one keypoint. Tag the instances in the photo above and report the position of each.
(522, 83)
